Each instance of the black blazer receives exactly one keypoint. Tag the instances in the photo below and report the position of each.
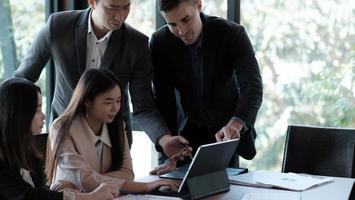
(13, 187)
(232, 80)
(127, 55)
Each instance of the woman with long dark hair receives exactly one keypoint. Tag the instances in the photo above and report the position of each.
(88, 144)
(21, 176)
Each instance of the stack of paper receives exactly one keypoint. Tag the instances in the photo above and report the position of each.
(289, 181)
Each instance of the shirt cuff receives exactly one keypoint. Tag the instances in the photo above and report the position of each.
(245, 127)
(68, 195)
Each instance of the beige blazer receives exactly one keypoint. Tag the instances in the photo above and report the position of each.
(78, 162)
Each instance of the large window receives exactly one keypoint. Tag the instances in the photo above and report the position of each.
(305, 50)
(142, 16)
(20, 21)
(144, 156)
(215, 7)
(306, 53)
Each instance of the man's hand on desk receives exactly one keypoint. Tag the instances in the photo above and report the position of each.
(231, 131)
(175, 147)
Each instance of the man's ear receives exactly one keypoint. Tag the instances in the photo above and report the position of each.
(92, 3)
(199, 5)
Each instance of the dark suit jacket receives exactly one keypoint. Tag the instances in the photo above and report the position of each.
(13, 187)
(232, 81)
(63, 38)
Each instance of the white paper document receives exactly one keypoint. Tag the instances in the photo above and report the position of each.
(288, 181)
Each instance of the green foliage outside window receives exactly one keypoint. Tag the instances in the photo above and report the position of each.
(306, 52)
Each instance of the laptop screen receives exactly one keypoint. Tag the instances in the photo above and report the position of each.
(210, 158)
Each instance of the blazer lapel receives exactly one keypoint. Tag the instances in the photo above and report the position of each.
(114, 45)
(80, 40)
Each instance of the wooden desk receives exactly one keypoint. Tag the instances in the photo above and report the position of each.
(338, 189)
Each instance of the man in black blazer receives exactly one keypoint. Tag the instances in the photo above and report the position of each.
(211, 64)
(99, 37)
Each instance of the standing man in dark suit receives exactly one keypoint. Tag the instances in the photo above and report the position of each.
(211, 63)
(93, 38)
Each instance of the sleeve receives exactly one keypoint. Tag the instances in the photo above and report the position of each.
(73, 171)
(250, 89)
(164, 89)
(140, 87)
(248, 77)
(13, 187)
(38, 55)
(126, 170)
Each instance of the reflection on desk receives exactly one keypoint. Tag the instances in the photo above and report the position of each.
(271, 196)
(338, 188)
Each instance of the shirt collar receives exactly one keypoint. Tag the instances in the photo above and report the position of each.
(91, 31)
(89, 23)
(104, 137)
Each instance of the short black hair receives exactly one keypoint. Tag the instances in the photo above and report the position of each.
(168, 5)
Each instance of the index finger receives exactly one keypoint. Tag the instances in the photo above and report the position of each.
(218, 136)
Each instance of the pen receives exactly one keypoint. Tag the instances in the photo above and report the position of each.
(190, 154)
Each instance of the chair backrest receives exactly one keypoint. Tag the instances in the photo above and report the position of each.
(41, 143)
(320, 151)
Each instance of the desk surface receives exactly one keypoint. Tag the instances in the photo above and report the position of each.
(338, 188)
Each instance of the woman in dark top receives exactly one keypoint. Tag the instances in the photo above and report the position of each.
(21, 175)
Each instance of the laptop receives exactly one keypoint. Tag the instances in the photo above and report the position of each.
(209, 163)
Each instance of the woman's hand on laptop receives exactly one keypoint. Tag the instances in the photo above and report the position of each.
(173, 185)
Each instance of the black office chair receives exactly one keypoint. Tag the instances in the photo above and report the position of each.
(320, 151)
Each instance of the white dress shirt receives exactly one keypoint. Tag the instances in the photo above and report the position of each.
(95, 48)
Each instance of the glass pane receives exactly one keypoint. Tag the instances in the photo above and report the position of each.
(215, 7)
(142, 16)
(1, 67)
(306, 54)
(25, 22)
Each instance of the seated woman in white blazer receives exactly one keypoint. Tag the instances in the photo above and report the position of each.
(87, 143)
